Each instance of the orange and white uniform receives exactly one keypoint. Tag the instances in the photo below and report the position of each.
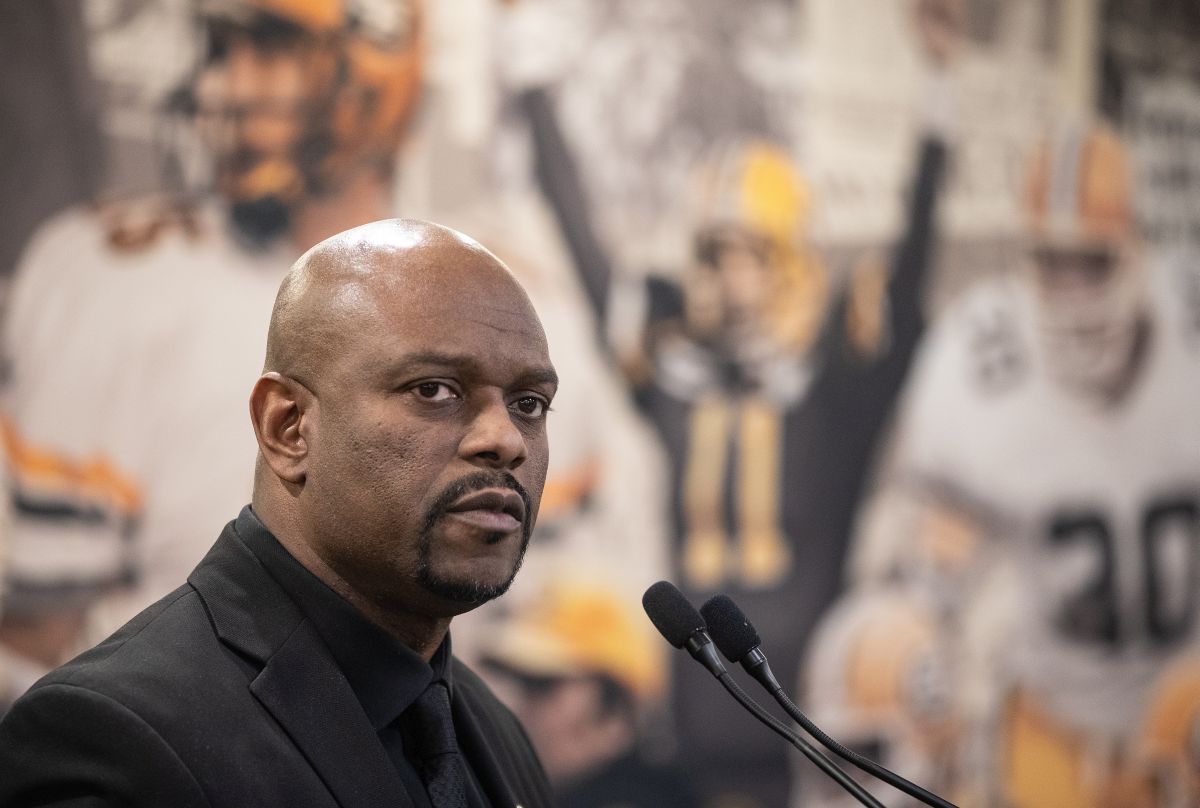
(125, 415)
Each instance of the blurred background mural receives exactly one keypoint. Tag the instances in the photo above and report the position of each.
(882, 317)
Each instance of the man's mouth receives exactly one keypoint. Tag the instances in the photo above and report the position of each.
(493, 509)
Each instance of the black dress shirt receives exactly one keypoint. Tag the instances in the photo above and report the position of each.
(386, 675)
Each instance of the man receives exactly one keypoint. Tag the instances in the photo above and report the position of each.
(401, 425)
(1046, 505)
(301, 106)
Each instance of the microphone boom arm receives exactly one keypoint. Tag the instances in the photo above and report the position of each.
(823, 763)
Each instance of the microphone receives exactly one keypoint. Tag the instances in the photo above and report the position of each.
(682, 626)
(740, 643)
(737, 639)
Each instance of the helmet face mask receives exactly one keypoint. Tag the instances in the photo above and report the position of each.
(253, 106)
(297, 98)
(754, 286)
(740, 266)
(1087, 281)
(1089, 304)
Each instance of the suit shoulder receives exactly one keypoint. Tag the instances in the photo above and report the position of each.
(148, 654)
(61, 732)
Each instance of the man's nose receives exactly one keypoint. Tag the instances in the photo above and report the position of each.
(493, 439)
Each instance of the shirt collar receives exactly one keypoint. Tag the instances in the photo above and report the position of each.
(386, 675)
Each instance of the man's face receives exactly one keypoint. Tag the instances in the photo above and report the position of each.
(736, 263)
(1075, 275)
(428, 450)
(253, 103)
(1089, 301)
(742, 264)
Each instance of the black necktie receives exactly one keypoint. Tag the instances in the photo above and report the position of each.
(441, 764)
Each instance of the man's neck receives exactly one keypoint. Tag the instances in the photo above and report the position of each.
(422, 633)
(363, 199)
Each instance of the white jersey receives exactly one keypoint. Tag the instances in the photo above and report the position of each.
(1099, 506)
(127, 423)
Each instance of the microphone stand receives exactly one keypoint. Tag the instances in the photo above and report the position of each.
(822, 762)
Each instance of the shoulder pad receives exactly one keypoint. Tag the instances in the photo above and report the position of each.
(133, 225)
(996, 356)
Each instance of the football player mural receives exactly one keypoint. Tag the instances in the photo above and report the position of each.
(1047, 480)
(136, 326)
(160, 305)
(768, 385)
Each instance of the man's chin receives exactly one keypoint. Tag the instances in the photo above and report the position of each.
(469, 594)
(466, 588)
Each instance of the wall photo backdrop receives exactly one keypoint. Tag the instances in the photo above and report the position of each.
(881, 317)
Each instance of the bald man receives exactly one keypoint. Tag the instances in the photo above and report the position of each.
(401, 424)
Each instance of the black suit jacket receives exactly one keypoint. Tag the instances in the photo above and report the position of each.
(223, 694)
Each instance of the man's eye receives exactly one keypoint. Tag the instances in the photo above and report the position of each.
(434, 391)
(531, 406)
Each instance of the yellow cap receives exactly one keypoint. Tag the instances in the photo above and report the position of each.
(578, 629)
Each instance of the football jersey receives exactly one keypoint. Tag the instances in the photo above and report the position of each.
(1097, 503)
(126, 416)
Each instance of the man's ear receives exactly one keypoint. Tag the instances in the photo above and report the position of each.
(278, 409)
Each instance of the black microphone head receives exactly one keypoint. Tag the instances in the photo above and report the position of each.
(729, 628)
(671, 614)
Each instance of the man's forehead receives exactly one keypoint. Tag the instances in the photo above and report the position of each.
(401, 258)
(404, 279)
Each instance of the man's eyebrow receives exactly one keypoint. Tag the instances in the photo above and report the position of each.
(544, 375)
(434, 358)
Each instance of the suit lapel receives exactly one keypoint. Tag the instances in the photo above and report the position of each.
(299, 683)
(302, 687)
(478, 748)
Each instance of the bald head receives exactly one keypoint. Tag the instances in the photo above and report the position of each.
(334, 291)
(401, 419)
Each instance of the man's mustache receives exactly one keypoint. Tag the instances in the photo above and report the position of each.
(478, 481)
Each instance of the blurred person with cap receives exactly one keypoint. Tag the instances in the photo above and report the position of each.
(582, 671)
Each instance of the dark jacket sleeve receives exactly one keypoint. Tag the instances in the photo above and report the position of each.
(64, 745)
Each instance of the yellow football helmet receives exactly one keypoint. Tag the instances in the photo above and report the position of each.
(750, 212)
